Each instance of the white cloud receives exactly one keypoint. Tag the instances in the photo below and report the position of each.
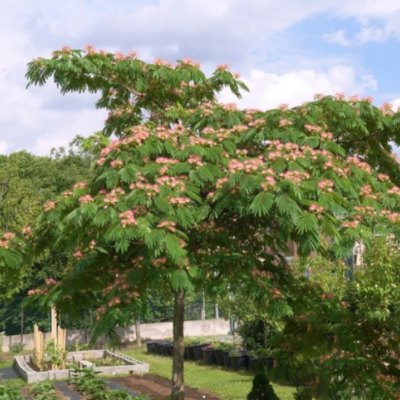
(337, 37)
(243, 33)
(395, 104)
(3, 147)
(269, 90)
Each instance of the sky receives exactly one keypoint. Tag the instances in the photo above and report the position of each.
(286, 51)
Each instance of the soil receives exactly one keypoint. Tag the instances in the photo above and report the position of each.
(158, 387)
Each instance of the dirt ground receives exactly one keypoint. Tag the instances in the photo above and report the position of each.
(158, 387)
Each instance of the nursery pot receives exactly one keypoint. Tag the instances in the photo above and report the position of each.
(254, 362)
(198, 354)
(239, 361)
(268, 362)
(227, 359)
(189, 353)
(151, 346)
(219, 357)
(169, 349)
(209, 356)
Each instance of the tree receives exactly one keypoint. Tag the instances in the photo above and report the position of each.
(262, 388)
(201, 194)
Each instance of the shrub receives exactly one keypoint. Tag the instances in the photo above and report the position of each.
(17, 347)
(262, 389)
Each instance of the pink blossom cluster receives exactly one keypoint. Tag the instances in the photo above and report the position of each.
(394, 217)
(173, 182)
(169, 225)
(179, 200)
(318, 96)
(326, 184)
(229, 107)
(127, 218)
(327, 135)
(78, 255)
(206, 109)
(33, 292)
(117, 163)
(349, 224)
(368, 99)
(283, 107)
(394, 190)
(162, 63)
(248, 165)
(201, 141)
(387, 109)
(79, 185)
(159, 261)
(367, 210)
(188, 61)
(49, 206)
(7, 237)
(50, 282)
(220, 182)
(312, 128)
(316, 208)
(359, 164)
(383, 177)
(164, 160)
(339, 96)
(67, 193)
(366, 190)
(295, 176)
(258, 123)
(113, 196)
(284, 122)
(195, 160)
(223, 67)
(86, 199)
(27, 231)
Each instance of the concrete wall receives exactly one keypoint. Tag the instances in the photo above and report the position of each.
(160, 330)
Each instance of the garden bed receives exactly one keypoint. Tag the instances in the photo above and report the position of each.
(122, 365)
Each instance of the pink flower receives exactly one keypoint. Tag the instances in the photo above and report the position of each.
(51, 281)
(86, 199)
(223, 67)
(49, 206)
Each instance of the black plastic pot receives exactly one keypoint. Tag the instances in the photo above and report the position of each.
(189, 353)
(254, 363)
(164, 348)
(157, 348)
(268, 362)
(209, 356)
(169, 349)
(227, 359)
(219, 357)
(240, 361)
(198, 354)
(151, 346)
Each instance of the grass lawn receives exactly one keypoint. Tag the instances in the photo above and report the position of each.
(6, 361)
(226, 384)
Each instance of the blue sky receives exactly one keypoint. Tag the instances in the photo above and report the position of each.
(286, 51)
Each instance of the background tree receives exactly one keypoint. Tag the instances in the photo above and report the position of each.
(202, 194)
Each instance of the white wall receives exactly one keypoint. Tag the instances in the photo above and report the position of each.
(160, 330)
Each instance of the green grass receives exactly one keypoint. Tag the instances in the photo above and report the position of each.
(226, 384)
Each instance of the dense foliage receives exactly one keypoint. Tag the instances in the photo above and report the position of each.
(196, 194)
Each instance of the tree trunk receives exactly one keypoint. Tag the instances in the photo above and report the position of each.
(178, 388)
(137, 330)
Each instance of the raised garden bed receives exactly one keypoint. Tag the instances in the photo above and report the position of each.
(122, 365)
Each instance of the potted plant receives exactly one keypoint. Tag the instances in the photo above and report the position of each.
(209, 355)
(254, 360)
(239, 359)
(226, 349)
